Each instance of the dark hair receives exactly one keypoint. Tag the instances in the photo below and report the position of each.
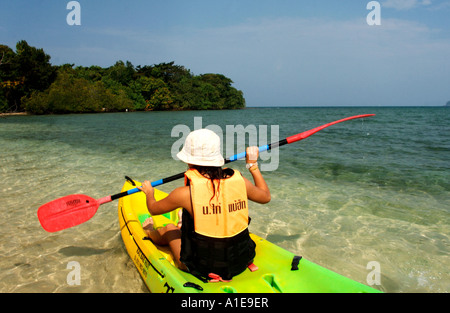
(213, 173)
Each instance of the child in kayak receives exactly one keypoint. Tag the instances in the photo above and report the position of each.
(213, 240)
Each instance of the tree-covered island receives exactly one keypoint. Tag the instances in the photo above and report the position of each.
(30, 83)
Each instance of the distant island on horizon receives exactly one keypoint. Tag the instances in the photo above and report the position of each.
(340, 106)
(30, 83)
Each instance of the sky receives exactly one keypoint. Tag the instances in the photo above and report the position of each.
(278, 52)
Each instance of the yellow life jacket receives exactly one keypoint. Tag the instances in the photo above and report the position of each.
(223, 215)
(216, 238)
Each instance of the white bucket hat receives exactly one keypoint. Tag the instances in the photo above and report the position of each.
(202, 147)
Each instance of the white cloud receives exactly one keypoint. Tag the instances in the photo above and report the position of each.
(444, 5)
(318, 61)
(405, 4)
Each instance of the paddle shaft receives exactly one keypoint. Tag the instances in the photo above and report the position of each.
(73, 210)
(239, 156)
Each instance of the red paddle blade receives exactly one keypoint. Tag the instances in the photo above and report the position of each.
(67, 212)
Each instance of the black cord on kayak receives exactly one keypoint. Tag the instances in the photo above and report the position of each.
(130, 180)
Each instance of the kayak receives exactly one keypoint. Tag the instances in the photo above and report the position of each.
(278, 270)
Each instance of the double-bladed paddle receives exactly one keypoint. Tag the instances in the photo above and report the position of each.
(76, 209)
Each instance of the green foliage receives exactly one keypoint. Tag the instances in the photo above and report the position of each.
(69, 94)
(23, 72)
(3, 102)
(34, 65)
(29, 82)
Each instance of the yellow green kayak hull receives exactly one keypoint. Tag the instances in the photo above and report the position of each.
(280, 271)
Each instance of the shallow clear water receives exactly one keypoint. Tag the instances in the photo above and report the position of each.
(374, 189)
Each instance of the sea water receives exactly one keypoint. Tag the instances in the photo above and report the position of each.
(363, 192)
